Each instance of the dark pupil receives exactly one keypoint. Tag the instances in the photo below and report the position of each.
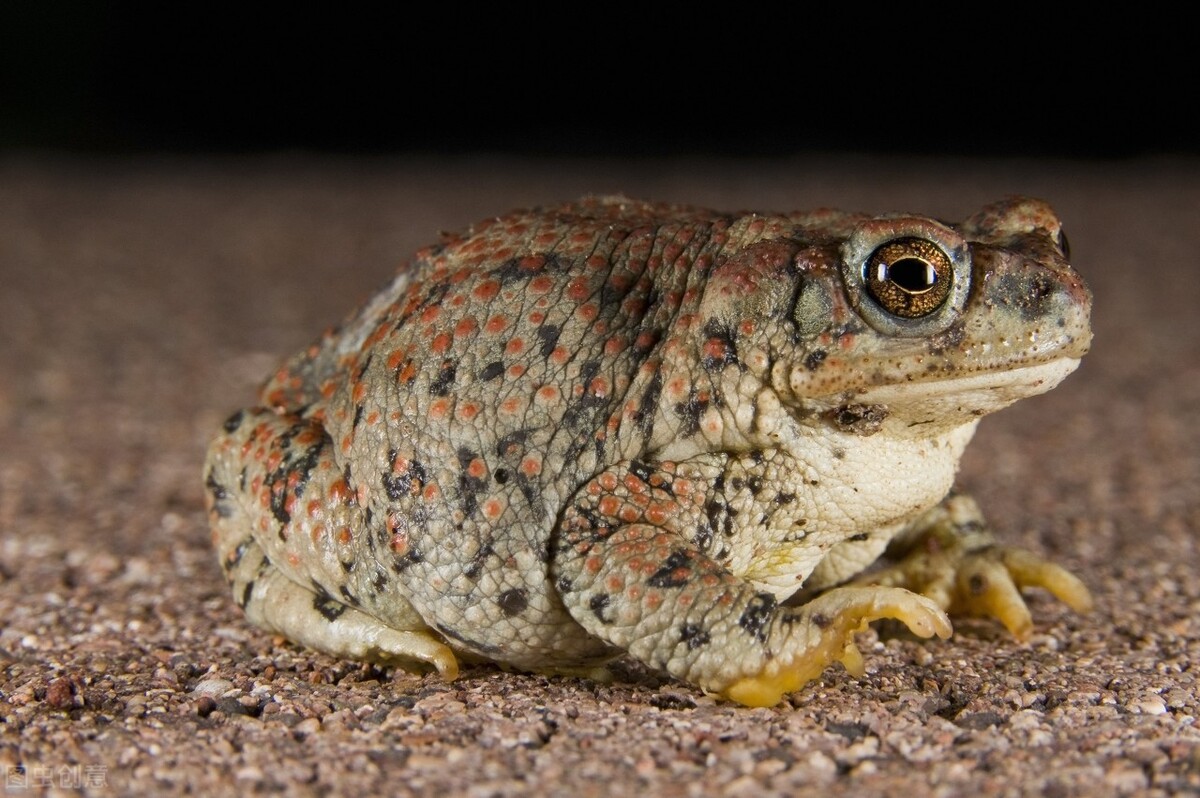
(912, 274)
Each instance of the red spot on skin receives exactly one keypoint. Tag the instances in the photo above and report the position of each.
(746, 327)
(439, 408)
(359, 392)
(715, 349)
(339, 492)
(511, 406)
(493, 509)
(614, 583)
(465, 328)
(515, 347)
(629, 514)
(653, 600)
(430, 314)
(657, 514)
(293, 559)
(633, 484)
(430, 493)
(541, 284)
(609, 505)
(531, 466)
(578, 289)
(616, 345)
(588, 311)
(395, 359)
(488, 289)
(608, 481)
(408, 373)
(532, 263)
(441, 343)
(456, 301)
(516, 370)
(496, 324)
(645, 340)
(536, 317)
(468, 410)
(372, 418)
(344, 537)
(560, 355)
(477, 468)
(548, 393)
(593, 564)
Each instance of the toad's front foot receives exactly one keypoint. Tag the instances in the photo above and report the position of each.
(952, 560)
(822, 632)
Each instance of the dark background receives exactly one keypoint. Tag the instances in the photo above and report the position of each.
(134, 78)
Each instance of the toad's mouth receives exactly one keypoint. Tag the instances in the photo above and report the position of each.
(942, 401)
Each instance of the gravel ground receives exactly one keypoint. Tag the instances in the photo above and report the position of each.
(143, 300)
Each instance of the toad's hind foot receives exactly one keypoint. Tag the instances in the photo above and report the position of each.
(822, 632)
(325, 624)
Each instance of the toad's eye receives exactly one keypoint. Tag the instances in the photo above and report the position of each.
(909, 277)
(1064, 246)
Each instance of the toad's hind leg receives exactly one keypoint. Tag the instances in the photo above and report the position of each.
(259, 473)
(629, 574)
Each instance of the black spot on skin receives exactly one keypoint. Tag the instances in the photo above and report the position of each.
(785, 498)
(513, 602)
(861, 536)
(358, 414)
(444, 380)
(641, 470)
(757, 615)
(703, 539)
(597, 604)
(693, 636)
(234, 421)
(231, 562)
(215, 488)
(409, 558)
(399, 485)
(475, 567)
(277, 480)
(648, 405)
(814, 359)
(820, 620)
(491, 371)
(977, 584)
(469, 487)
(676, 571)
(564, 585)
(548, 335)
(755, 484)
(330, 608)
(501, 476)
(380, 582)
(689, 413)
(247, 593)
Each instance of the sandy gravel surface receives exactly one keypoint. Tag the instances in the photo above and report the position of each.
(142, 301)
